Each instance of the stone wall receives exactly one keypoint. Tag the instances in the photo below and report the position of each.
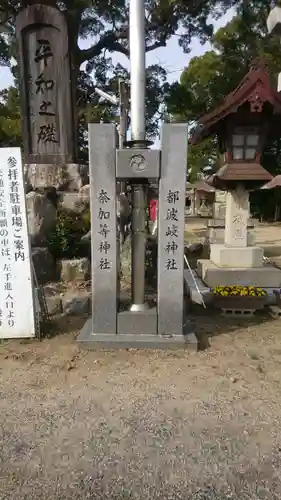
(53, 192)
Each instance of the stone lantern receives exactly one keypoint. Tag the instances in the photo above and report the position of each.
(241, 123)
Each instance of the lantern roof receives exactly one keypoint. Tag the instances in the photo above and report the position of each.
(255, 89)
(274, 183)
(202, 186)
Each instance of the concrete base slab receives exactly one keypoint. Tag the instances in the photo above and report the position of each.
(240, 257)
(89, 340)
(212, 275)
(137, 322)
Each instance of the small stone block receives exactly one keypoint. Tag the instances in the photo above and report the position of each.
(76, 306)
(54, 305)
(275, 312)
(244, 257)
(241, 313)
(137, 323)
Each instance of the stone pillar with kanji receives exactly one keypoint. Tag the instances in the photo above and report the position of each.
(54, 178)
(47, 101)
(235, 252)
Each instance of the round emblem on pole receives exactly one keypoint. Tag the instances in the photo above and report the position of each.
(138, 163)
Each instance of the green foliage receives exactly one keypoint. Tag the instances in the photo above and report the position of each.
(202, 156)
(64, 242)
(10, 132)
(106, 24)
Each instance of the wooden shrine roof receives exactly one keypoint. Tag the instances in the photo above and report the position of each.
(246, 173)
(255, 88)
(202, 186)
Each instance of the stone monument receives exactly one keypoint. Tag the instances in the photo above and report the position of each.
(54, 179)
(47, 104)
(142, 324)
(241, 123)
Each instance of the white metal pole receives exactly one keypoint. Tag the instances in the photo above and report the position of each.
(137, 64)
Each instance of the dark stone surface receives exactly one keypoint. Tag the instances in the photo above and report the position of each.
(44, 264)
(41, 217)
(194, 249)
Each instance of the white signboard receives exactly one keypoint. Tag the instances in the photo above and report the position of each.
(16, 287)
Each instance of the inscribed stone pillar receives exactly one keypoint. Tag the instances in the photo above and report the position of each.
(236, 218)
(45, 86)
(171, 223)
(102, 156)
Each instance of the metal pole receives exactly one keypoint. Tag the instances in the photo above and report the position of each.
(137, 63)
(123, 115)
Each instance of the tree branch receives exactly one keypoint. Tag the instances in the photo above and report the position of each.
(108, 41)
(156, 45)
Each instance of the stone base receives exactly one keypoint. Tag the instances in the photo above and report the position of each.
(137, 322)
(90, 340)
(238, 258)
(264, 277)
(216, 236)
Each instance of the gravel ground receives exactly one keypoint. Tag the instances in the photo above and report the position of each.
(129, 424)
